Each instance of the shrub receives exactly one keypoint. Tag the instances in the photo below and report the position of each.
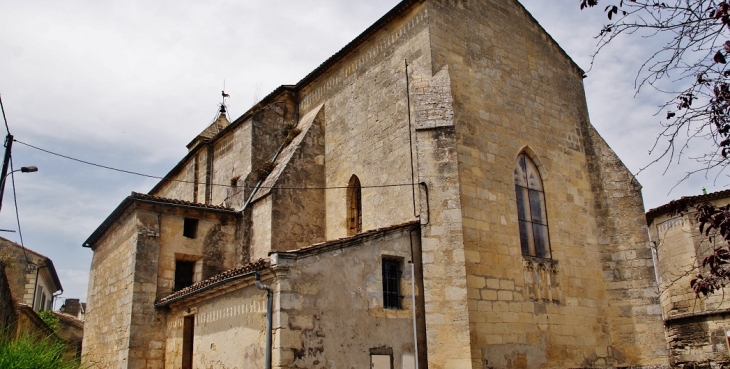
(50, 319)
(31, 352)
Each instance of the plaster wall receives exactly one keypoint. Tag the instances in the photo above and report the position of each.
(329, 306)
(216, 343)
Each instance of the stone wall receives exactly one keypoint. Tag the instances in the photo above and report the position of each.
(515, 91)
(366, 124)
(109, 305)
(8, 315)
(696, 327)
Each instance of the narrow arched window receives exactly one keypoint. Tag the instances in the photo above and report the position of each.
(354, 206)
(531, 213)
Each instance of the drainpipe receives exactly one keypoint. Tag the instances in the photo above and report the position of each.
(269, 306)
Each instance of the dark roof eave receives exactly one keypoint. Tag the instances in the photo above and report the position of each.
(129, 200)
(54, 275)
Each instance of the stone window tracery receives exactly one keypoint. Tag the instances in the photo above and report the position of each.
(531, 211)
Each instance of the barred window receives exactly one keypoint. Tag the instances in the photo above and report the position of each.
(391, 284)
(531, 212)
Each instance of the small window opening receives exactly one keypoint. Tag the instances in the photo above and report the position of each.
(190, 228)
(391, 284)
(184, 272)
(354, 207)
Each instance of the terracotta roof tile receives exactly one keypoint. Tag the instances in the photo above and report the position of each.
(653, 213)
(324, 245)
(142, 196)
(219, 279)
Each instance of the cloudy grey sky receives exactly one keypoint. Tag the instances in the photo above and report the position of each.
(129, 84)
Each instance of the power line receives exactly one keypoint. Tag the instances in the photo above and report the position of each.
(17, 216)
(196, 183)
(4, 119)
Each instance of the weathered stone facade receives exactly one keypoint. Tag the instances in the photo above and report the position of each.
(32, 278)
(428, 110)
(697, 328)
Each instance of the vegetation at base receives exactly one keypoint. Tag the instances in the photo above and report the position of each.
(31, 352)
(50, 319)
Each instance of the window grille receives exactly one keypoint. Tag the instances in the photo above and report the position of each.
(391, 284)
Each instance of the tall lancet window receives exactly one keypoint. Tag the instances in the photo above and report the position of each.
(354, 206)
(534, 237)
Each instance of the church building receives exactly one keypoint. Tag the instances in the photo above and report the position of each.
(431, 196)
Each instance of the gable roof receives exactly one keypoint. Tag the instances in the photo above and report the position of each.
(141, 198)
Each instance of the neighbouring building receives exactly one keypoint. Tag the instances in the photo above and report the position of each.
(32, 277)
(698, 329)
(434, 193)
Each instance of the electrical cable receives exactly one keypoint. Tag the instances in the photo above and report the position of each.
(193, 182)
(17, 216)
(4, 119)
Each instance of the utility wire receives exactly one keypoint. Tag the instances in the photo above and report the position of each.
(4, 119)
(193, 182)
(17, 216)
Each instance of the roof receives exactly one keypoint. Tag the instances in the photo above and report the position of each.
(688, 200)
(136, 197)
(347, 241)
(215, 281)
(48, 263)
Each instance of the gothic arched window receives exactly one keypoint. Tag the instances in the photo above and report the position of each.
(531, 213)
(354, 207)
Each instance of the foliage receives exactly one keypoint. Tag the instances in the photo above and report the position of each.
(691, 59)
(31, 352)
(50, 319)
(7, 260)
(714, 223)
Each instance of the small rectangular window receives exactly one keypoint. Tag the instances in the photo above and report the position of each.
(391, 284)
(184, 271)
(380, 362)
(190, 227)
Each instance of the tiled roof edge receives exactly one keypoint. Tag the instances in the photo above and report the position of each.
(215, 281)
(653, 213)
(341, 242)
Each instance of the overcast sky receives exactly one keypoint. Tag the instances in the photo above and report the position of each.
(129, 84)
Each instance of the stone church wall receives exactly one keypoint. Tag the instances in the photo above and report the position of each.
(513, 88)
(366, 129)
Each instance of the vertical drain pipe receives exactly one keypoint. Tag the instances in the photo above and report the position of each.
(269, 306)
